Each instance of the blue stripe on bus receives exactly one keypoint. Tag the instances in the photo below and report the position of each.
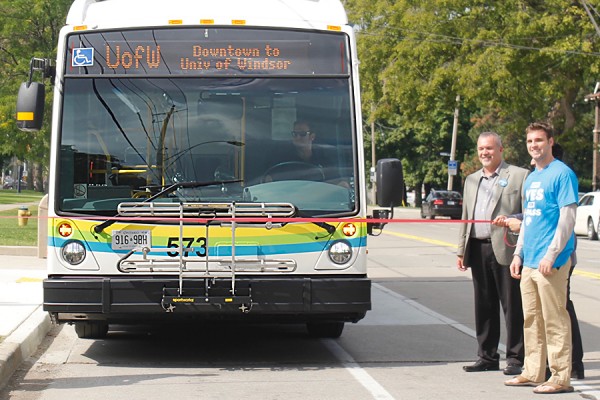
(225, 251)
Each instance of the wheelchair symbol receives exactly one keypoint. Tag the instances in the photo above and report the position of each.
(83, 57)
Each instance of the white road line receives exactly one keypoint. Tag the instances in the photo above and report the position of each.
(375, 389)
(362, 376)
(587, 390)
(456, 325)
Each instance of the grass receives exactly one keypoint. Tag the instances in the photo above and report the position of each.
(9, 196)
(11, 234)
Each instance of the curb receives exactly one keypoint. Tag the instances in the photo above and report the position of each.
(22, 343)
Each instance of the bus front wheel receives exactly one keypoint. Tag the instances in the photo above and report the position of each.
(91, 330)
(325, 329)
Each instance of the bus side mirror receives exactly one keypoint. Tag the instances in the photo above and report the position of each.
(390, 191)
(30, 106)
(390, 182)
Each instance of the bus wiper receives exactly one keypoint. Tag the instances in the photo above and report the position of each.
(328, 227)
(168, 189)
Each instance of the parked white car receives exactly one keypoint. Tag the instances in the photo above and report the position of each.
(588, 215)
(410, 199)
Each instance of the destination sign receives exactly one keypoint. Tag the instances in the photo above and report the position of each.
(207, 52)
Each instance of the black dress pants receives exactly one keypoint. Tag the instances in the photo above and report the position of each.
(577, 346)
(494, 288)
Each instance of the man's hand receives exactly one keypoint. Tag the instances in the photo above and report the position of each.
(500, 220)
(460, 265)
(515, 267)
(545, 267)
(513, 224)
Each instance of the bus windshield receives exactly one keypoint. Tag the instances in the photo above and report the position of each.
(241, 138)
(218, 108)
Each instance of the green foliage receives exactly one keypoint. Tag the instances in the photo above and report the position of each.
(28, 28)
(512, 62)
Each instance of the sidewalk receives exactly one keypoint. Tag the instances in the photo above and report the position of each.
(15, 206)
(23, 324)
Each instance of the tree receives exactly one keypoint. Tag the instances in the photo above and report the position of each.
(28, 28)
(511, 62)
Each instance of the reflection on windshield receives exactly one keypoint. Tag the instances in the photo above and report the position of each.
(126, 139)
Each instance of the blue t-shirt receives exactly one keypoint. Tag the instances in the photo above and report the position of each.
(546, 192)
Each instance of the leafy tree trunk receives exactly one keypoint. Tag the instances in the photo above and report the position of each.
(38, 181)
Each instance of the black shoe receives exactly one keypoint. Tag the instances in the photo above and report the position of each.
(481, 365)
(512, 369)
(577, 372)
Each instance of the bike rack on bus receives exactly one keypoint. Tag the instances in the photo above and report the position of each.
(211, 269)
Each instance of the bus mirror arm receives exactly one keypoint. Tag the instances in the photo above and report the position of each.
(379, 214)
(43, 65)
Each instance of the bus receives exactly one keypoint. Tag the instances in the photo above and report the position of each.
(178, 190)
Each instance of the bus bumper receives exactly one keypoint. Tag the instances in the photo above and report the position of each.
(119, 300)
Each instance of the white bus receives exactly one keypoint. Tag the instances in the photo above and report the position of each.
(179, 189)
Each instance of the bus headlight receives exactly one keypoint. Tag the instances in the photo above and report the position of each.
(73, 252)
(340, 252)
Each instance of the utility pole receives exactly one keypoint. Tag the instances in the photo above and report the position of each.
(373, 157)
(453, 148)
(595, 97)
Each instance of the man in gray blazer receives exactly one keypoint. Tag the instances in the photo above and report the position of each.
(487, 250)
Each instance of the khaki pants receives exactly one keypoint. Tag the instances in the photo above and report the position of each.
(547, 327)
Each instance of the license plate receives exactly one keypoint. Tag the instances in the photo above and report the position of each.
(451, 203)
(128, 240)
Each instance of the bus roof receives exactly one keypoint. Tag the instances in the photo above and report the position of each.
(106, 14)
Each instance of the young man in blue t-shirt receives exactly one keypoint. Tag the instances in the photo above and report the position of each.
(542, 262)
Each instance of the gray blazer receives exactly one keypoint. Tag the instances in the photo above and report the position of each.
(506, 200)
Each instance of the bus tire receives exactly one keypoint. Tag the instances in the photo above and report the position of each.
(325, 329)
(91, 330)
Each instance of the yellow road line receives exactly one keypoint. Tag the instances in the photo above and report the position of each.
(27, 280)
(586, 274)
(446, 244)
(421, 239)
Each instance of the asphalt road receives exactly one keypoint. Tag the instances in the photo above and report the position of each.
(412, 345)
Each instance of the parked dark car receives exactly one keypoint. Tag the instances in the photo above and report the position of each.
(442, 203)
(10, 183)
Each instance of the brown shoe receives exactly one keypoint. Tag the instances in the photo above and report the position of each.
(552, 388)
